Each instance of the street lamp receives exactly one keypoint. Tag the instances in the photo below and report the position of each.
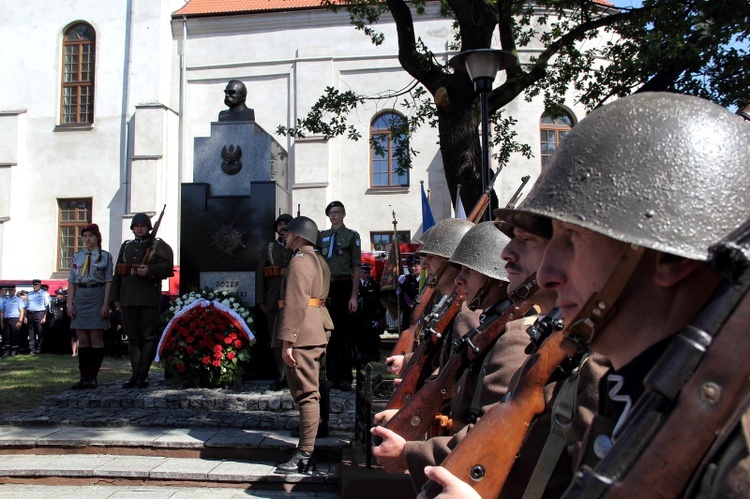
(482, 66)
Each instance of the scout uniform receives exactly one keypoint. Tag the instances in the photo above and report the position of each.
(342, 250)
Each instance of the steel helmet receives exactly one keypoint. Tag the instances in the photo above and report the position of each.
(305, 228)
(141, 218)
(443, 237)
(480, 250)
(664, 171)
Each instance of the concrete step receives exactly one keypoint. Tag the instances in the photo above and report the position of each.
(213, 443)
(106, 491)
(93, 469)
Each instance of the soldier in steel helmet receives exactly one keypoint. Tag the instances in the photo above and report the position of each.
(637, 193)
(136, 291)
(271, 268)
(301, 327)
(484, 284)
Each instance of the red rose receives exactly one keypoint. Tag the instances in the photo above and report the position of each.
(228, 340)
(230, 355)
(190, 350)
(237, 343)
(190, 339)
(206, 360)
(217, 363)
(218, 349)
(219, 338)
(217, 355)
(233, 336)
(180, 368)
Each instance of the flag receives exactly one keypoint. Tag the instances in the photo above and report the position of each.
(427, 218)
(460, 212)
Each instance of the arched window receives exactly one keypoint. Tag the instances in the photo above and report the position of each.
(79, 44)
(553, 131)
(389, 147)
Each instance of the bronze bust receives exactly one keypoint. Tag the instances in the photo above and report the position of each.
(234, 97)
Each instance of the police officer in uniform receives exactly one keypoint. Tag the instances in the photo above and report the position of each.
(14, 312)
(38, 301)
(341, 248)
(271, 268)
(136, 291)
(370, 317)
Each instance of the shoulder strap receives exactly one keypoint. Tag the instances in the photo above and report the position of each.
(559, 436)
(270, 252)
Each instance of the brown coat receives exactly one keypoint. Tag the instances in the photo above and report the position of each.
(500, 363)
(298, 321)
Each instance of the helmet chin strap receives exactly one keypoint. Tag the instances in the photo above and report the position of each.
(479, 298)
(598, 309)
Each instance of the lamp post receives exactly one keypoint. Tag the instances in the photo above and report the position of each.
(482, 66)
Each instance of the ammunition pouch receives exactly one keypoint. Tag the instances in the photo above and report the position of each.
(272, 271)
(442, 426)
(125, 269)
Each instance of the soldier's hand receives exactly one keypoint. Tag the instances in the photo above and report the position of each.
(395, 363)
(383, 417)
(142, 270)
(287, 354)
(390, 452)
(352, 304)
(452, 486)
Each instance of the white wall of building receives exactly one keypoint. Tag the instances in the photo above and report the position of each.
(136, 155)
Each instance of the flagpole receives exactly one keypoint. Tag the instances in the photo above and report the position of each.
(397, 270)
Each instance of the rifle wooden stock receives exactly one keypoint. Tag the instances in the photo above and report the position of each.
(405, 343)
(414, 418)
(420, 365)
(670, 460)
(487, 453)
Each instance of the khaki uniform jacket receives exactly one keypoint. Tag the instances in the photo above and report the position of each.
(268, 290)
(346, 254)
(298, 321)
(137, 291)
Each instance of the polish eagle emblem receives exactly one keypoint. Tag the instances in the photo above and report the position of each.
(231, 164)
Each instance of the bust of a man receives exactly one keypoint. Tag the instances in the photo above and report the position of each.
(234, 97)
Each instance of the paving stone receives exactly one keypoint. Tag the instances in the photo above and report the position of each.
(184, 469)
(233, 437)
(129, 466)
(238, 471)
(185, 438)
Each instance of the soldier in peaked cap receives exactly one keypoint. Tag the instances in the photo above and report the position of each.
(38, 303)
(341, 248)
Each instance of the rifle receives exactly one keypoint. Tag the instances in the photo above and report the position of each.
(701, 381)
(514, 199)
(486, 455)
(414, 418)
(405, 343)
(419, 368)
(484, 201)
(149, 250)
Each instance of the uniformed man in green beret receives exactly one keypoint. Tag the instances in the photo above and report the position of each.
(341, 248)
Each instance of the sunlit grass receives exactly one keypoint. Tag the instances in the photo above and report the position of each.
(25, 379)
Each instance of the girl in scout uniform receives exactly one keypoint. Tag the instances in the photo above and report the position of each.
(90, 283)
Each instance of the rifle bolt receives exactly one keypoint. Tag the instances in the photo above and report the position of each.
(415, 420)
(710, 393)
(477, 472)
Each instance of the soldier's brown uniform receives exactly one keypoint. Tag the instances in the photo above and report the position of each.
(300, 322)
(139, 299)
(499, 366)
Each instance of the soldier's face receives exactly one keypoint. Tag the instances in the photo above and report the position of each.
(523, 255)
(576, 263)
(471, 282)
(433, 264)
(140, 230)
(281, 227)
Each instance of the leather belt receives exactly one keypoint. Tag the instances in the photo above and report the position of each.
(341, 278)
(314, 302)
(92, 285)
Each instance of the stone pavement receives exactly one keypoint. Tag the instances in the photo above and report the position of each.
(254, 406)
(167, 442)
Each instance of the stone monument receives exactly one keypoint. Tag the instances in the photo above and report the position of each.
(227, 213)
